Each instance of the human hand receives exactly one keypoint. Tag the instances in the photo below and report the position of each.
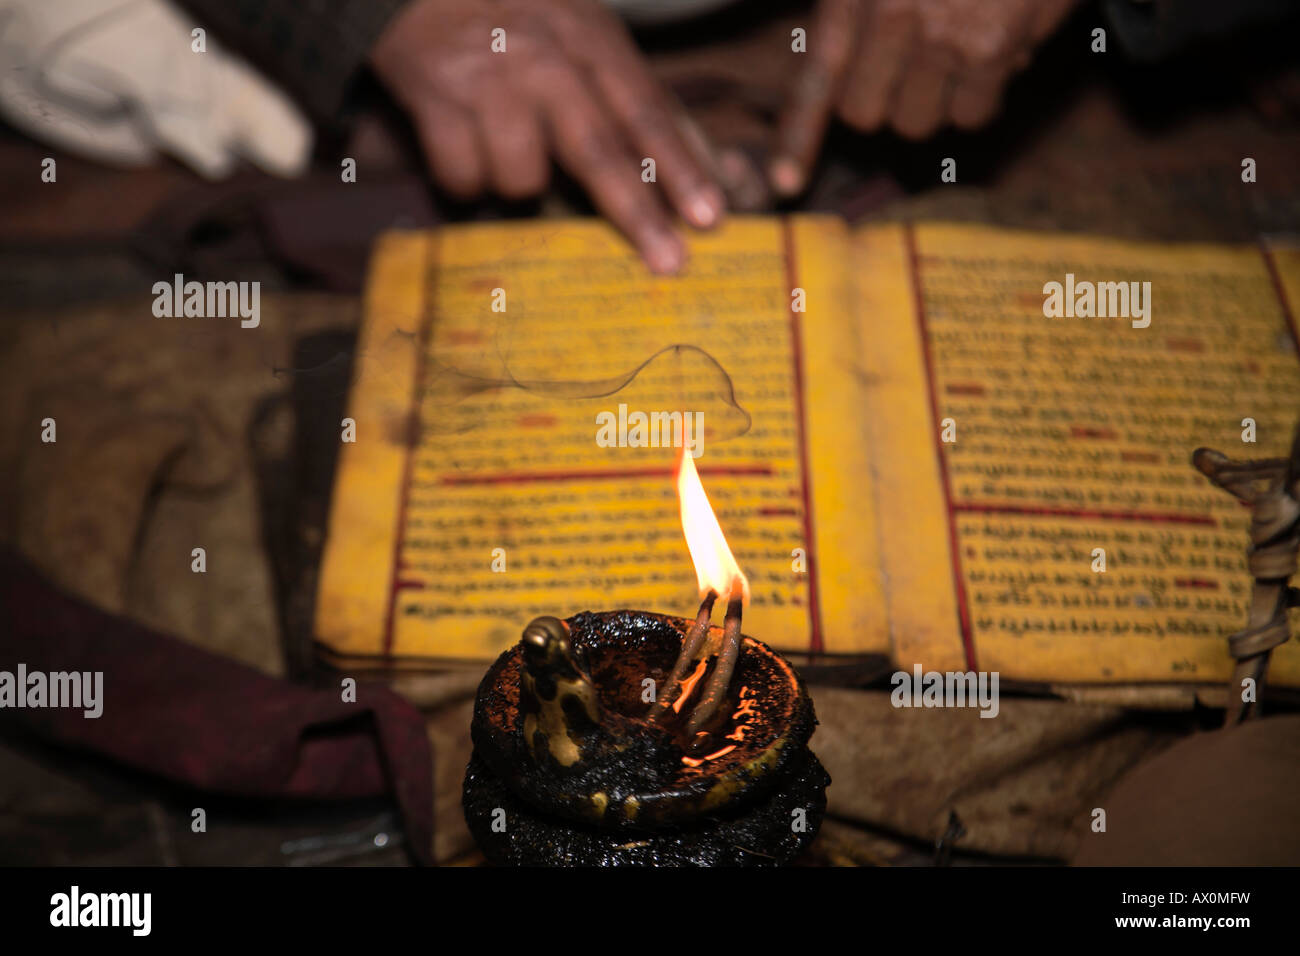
(571, 85)
(909, 64)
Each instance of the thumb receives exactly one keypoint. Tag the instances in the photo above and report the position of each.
(264, 125)
(192, 139)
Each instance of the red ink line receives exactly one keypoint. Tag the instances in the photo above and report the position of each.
(403, 493)
(1148, 457)
(465, 336)
(778, 512)
(958, 580)
(1145, 516)
(1196, 583)
(960, 389)
(536, 420)
(1084, 431)
(528, 477)
(796, 349)
(1288, 316)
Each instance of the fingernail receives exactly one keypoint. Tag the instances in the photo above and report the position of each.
(705, 208)
(786, 175)
(664, 254)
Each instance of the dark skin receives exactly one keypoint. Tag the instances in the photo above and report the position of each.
(910, 65)
(572, 87)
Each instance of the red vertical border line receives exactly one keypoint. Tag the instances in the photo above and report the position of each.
(796, 348)
(1280, 291)
(918, 296)
(412, 441)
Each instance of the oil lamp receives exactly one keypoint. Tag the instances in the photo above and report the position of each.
(635, 738)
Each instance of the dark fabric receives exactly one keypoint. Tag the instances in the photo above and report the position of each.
(1220, 798)
(314, 48)
(328, 233)
(1151, 29)
(201, 720)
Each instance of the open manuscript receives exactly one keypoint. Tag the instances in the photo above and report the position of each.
(908, 457)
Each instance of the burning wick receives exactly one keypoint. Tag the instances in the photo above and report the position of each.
(690, 652)
(721, 679)
(718, 574)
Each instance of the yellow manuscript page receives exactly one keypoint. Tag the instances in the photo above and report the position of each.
(477, 495)
(1070, 437)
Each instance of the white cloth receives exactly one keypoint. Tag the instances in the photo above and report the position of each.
(118, 81)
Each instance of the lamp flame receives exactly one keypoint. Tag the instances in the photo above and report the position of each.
(715, 567)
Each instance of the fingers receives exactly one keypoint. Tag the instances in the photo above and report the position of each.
(918, 67)
(514, 142)
(591, 149)
(653, 126)
(884, 46)
(578, 91)
(807, 112)
(743, 181)
(977, 94)
(451, 146)
(921, 103)
(1047, 16)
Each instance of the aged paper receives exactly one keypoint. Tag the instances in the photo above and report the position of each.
(1070, 444)
(479, 495)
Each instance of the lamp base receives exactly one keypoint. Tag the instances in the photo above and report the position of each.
(632, 789)
(770, 833)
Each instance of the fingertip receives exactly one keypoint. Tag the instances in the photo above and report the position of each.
(787, 175)
(460, 187)
(916, 125)
(969, 120)
(664, 254)
(524, 183)
(705, 208)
